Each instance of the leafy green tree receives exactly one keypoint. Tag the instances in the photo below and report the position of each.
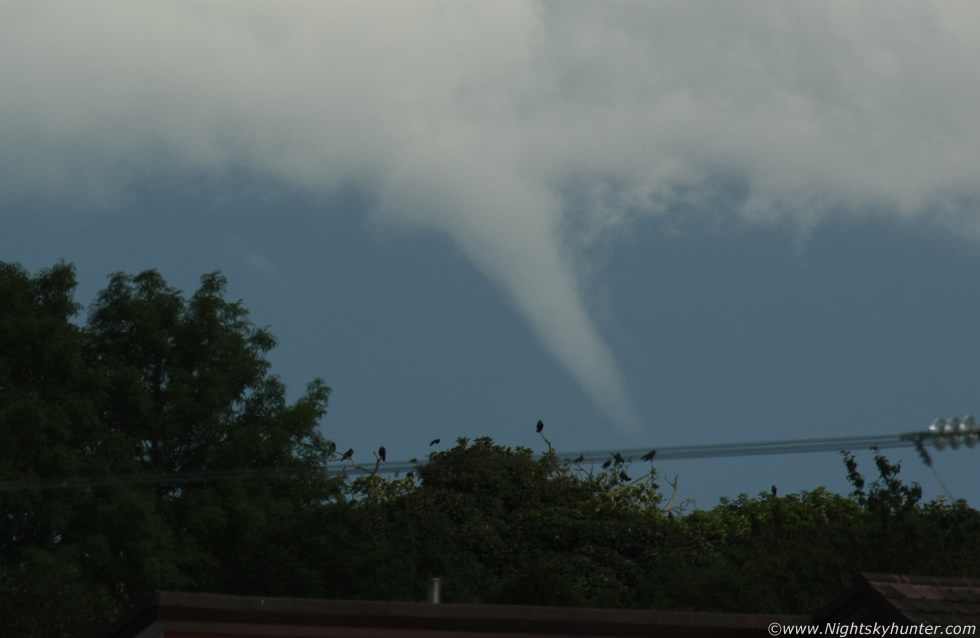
(795, 553)
(206, 478)
(772, 555)
(49, 431)
(46, 413)
(500, 526)
(907, 536)
(189, 391)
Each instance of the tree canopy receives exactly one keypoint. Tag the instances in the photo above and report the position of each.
(152, 390)
(150, 447)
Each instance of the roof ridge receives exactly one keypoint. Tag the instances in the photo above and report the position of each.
(905, 579)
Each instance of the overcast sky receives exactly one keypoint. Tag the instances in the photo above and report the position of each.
(648, 223)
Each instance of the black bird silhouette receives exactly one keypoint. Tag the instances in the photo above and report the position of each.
(540, 426)
(618, 458)
(581, 457)
(649, 455)
(348, 455)
(623, 476)
(382, 452)
(773, 490)
(434, 442)
(607, 464)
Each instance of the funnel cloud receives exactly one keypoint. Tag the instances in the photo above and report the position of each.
(475, 120)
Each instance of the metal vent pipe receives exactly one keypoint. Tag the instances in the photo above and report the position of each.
(435, 592)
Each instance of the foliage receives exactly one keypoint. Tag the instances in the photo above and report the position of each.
(505, 527)
(763, 552)
(153, 389)
(151, 448)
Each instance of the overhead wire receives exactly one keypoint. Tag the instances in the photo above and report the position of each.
(577, 458)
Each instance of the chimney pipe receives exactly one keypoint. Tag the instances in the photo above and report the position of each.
(434, 590)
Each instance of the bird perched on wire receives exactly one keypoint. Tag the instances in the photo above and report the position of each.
(649, 455)
(348, 455)
(539, 430)
(382, 453)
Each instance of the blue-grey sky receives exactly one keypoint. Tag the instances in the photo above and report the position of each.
(647, 224)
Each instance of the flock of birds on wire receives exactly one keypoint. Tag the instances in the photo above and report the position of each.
(617, 460)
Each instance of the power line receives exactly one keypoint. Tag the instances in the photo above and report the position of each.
(721, 450)
(775, 447)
